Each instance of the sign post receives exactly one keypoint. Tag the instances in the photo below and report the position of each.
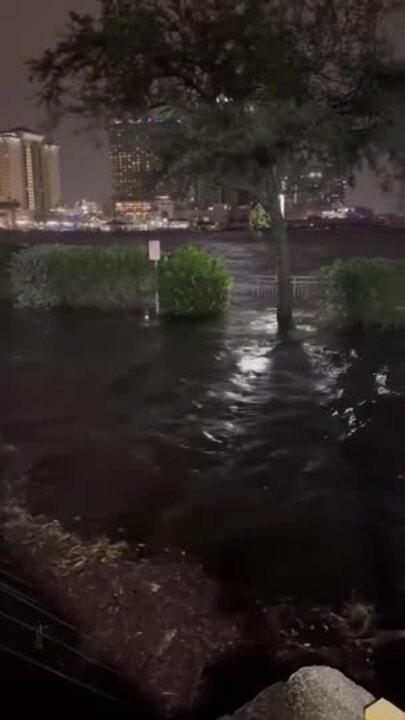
(154, 256)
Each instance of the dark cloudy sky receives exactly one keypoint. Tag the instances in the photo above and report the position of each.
(27, 27)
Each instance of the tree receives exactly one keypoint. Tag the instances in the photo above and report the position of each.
(253, 87)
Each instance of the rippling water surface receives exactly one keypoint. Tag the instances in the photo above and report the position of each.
(280, 465)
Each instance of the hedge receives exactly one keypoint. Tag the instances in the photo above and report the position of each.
(6, 253)
(193, 283)
(366, 293)
(107, 278)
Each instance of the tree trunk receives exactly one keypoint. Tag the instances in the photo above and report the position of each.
(279, 232)
(284, 290)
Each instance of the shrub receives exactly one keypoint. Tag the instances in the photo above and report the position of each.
(259, 220)
(107, 278)
(366, 293)
(193, 283)
(6, 253)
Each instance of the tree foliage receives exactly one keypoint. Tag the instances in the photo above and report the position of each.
(259, 219)
(252, 55)
(253, 87)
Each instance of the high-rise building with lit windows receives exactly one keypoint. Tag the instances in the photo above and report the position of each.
(134, 161)
(315, 189)
(29, 171)
(135, 168)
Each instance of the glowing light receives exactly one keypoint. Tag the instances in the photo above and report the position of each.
(281, 198)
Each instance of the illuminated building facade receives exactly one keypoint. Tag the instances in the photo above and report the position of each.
(139, 209)
(134, 161)
(135, 171)
(314, 190)
(29, 171)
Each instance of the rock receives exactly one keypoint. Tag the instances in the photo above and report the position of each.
(312, 693)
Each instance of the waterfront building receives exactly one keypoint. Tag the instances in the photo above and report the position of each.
(29, 171)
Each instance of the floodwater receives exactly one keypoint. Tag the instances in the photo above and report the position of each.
(280, 465)
(276, 463)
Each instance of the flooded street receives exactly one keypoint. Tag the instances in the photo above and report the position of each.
(280, 466)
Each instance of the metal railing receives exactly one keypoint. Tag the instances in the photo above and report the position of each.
(304, 287)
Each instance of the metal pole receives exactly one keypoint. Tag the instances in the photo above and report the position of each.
(157, 299)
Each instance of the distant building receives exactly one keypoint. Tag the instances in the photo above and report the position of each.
(352, 214)
(164, 206)
(137, 209)
(87, 207)
(315, 190)
(205, 192)
(8, 213)
(137, 180)
(135, 163)
(29, 171)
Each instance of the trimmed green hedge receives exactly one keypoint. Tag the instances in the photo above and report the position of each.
(107, 278)
(366, 293)
(6, 253)
(193, 283)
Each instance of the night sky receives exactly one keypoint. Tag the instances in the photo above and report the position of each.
(27, 27)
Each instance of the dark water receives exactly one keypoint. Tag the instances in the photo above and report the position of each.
(281, 465)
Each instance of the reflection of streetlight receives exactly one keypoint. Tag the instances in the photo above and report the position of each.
(281, 197)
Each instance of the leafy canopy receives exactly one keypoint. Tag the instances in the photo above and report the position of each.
(249, 84)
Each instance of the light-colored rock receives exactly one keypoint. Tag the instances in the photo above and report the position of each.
(323, 693)
(312, 693)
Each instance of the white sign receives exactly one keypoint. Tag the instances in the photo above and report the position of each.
(154, 250)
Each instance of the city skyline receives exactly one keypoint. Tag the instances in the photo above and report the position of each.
(26, 29)
(84, 153)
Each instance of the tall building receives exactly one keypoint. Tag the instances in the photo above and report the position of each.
(135, 168)
(315, 189)
(52, 175)
(29, 171)
(134, 161)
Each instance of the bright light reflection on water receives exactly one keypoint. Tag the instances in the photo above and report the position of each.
(250, 362)
(381, 381)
